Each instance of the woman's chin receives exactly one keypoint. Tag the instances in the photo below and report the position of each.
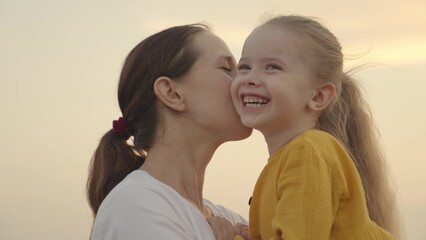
(242, 133)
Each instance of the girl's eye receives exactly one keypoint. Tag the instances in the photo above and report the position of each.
(243, 67)
(272, 67)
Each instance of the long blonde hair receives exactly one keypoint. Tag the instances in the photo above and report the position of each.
(348, 118)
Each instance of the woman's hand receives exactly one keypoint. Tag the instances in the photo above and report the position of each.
(243, 231)
(222, 228)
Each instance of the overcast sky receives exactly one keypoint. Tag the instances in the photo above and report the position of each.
(59, 67)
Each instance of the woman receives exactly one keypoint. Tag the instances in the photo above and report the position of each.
(146, 176)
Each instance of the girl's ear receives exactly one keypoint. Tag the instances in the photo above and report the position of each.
(323, 96)
(166, 92)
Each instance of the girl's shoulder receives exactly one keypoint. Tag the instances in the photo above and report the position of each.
(314, 136)
(315, 139)
(318, 145)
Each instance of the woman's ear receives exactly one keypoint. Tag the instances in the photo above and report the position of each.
(322, 97)
(166, 92)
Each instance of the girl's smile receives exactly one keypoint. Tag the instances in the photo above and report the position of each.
(252, 102)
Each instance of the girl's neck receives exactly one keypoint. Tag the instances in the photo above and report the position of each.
(278, 139)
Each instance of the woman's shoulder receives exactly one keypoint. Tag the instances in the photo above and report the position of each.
(142, 196)
(221, 211)
(139, 189)
(144, 208)
(134, 183)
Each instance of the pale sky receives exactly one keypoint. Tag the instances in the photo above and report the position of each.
(59, 67)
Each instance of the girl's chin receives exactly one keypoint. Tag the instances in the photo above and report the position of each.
(249, 123)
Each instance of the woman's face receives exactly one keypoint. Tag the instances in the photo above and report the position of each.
(207, 90)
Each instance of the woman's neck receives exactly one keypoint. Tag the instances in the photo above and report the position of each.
(182, 168)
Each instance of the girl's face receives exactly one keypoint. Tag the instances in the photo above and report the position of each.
(273, 84)
(207, 90)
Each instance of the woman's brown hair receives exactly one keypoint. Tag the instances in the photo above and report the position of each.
(348, 118)
(170, 53)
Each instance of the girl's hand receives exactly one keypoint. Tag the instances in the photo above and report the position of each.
(222, 228)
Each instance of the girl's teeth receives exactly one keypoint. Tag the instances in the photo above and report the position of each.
(253, 104)
(254, 100)
(251, 101)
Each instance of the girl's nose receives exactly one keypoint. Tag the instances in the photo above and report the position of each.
(250, 79)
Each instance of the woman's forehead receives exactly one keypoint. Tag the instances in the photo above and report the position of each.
(212, 47)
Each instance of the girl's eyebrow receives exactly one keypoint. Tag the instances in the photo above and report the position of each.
(243, 59)
(267, 59)
(272, 59)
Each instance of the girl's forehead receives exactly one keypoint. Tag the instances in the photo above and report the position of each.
(271, 39)
(272, 33)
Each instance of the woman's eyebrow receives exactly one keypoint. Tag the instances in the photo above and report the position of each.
(225, 57)
(228, 58)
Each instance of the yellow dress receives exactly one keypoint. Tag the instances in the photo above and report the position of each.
(311, 189)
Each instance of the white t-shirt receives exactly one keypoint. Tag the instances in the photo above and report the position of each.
(141, 207)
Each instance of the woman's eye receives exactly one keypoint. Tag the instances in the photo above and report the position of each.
(272, 67)
(226, 69)
(243, 67)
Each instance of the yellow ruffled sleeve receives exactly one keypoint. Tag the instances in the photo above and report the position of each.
(307, 201)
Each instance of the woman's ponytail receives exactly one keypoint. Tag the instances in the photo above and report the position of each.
(111, 162)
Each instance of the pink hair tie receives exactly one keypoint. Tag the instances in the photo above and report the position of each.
(120, 126)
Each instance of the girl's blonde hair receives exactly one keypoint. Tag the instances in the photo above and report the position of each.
(348, 117)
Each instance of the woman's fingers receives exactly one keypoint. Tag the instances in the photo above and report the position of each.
(243, 231)
(222, 228)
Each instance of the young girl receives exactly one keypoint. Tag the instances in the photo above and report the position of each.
(325, 178)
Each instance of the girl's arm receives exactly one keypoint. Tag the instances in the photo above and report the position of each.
(305, 190)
